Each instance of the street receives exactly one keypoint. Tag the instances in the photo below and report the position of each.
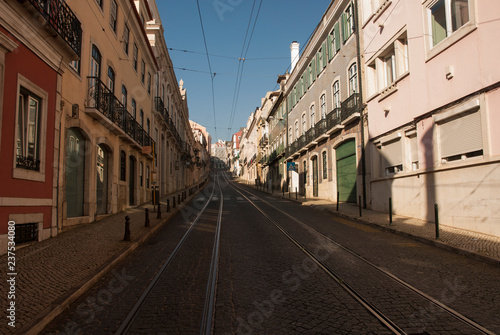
(281, 268)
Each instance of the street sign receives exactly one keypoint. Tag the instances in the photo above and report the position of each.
(290, 166)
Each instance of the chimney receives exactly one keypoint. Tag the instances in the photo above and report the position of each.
(294, 48)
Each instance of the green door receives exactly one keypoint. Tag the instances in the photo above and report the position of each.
(346, 171)
(315, 176)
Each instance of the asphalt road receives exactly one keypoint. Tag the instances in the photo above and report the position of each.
(267, 285)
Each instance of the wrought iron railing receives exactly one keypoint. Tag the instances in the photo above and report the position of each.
(102, 99)
(26, 232)
(351, 105)
(27, 163)
(62, 19)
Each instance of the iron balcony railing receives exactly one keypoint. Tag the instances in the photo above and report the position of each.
(264, 140)
(338, 115)
(28, 163)
(62, 19)
(102, 99)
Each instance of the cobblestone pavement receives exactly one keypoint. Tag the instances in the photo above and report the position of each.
(55, 271)
(474, 244)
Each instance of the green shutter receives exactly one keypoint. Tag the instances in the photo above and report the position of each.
(337, 37)
(344, 27)
(313, 70)
(318, 63)
(324, 55)
(330, 46)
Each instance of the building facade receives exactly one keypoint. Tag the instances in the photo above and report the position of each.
(433, 108)
(36, 40)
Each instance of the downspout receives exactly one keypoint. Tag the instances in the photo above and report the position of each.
(363, 154)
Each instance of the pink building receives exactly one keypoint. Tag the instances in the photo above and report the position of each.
(432, 93)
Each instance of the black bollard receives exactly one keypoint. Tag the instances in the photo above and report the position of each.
(359, 206)
(390, 211)
(436, 215)
(168, 205)
(178, 198)
(126, 237)
(173, 202)
(158, 216)
(338, 200)
(146, 222)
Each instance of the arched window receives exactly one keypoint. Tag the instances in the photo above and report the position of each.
(325, 166)
(124, 96)
(134, 108)
(111, 79)
(336, 94)
(353, 79)
(323, 106)
(95, 62)
(313, 116)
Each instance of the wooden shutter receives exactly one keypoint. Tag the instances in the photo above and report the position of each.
(337, 36)
(313, 69)
(318, 63)
(461, 135)
(324, 55)
(392, 153)
(343, 19)
(330, 46)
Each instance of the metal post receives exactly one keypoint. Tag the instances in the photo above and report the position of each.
(436, 215)
(338, 196)
(296, 194)
(146, 222)
(360, 206)
(168, 205)
(158, 216)
(173, 201)
(126, 237)
(178, 198)
(390, 211)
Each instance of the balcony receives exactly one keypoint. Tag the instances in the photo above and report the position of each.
(264, 140)
(349, 111)
(103, 106)
(59, 20)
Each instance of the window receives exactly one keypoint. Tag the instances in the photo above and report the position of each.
(113, 15)
(126, 36)
(95, 62)
(336, 94)
(147, 176)
(148, 126)
(304, 123)
(111, 79)
(312, 72)
(321, 59)
(124, 96)
(135, 56)
(99, 2)
(149, 83)
(123, 166)
(325, 166)
(296, 129)
(134, 108)
(141, 118)
(389, 68)
(391, 156)
(461, 137)
(446, 17)
(347, 23)
(353, 79)
(141, 173)
(290, 135)
(323, 106)
(143, 71)
(28, 131)
(312, 115)
(75, 64)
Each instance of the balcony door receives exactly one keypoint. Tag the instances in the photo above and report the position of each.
(102, 180)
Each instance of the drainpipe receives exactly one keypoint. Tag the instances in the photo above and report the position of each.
(363, 154)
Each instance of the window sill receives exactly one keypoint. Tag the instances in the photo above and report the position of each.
(450, 40)
(388, 91)
(25, 174)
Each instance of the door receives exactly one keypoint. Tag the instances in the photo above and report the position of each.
(315, 176)
(131, 181)
(102, 180)
(75, 173)
(346, 171)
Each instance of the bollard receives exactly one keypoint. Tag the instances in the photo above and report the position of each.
(126, 237)
(296, 194)
(173, 202)
(359, 206)
(168, 205)
(305, 194)
(158, 216)
(283, 191)
(178, 198)
(338, 200)
(146, 222)
(436, 215)
(390, 211)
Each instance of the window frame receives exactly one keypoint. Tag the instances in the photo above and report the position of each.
(324, 158)
(353, 79)
(24, 84)
(113, 15)
(135, 57)
(126, 38)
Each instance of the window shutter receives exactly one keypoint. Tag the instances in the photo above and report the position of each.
(344, 27)
(461, 135)
(324, 54)
(337, 36)
(392, 153)
(414, 149)
(313, 69)
(330, 46)
(318, 63)
(306, 79)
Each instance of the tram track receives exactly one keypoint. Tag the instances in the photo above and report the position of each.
(425, 302)
(206, 322)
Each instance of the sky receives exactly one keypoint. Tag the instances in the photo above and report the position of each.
(230, 34)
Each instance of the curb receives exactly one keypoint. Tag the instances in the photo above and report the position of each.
(35, 326)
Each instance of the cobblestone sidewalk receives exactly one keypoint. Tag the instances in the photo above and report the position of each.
(53, 273)
(473, 244)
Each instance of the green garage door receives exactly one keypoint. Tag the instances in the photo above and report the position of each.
(346, 171)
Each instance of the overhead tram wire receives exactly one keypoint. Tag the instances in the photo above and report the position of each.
(239, 78)
(212, 74)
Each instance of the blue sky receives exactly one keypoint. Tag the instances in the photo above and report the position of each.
(279, 23)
